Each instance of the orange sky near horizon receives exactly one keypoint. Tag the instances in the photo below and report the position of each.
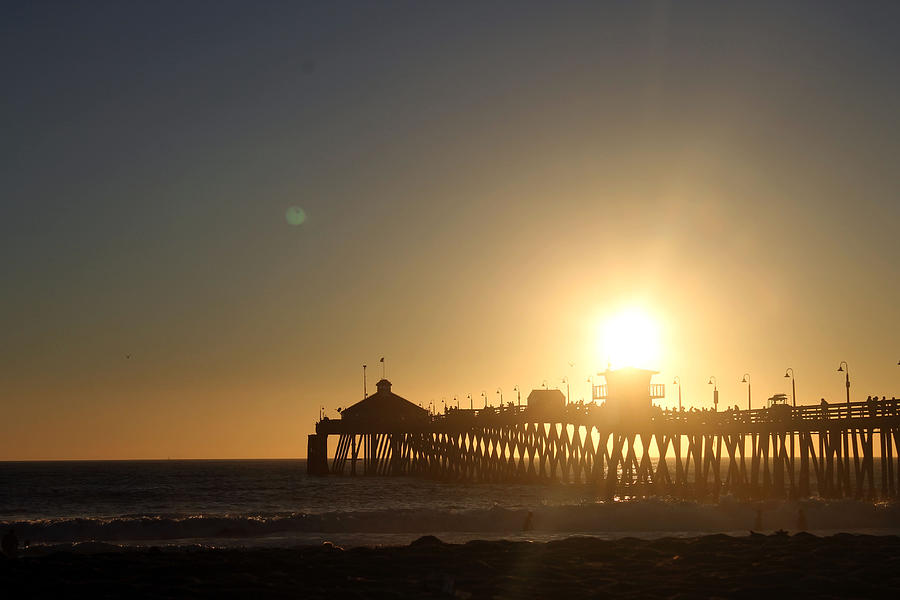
(483, 188)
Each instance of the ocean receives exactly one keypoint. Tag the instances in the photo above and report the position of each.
(272, 503)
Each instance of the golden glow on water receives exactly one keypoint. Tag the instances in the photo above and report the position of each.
(631, 338)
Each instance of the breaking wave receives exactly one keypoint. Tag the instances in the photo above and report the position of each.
(607, 517)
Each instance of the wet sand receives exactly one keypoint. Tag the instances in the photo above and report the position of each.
(754, 566)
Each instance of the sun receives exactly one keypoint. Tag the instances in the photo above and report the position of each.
(630, 338)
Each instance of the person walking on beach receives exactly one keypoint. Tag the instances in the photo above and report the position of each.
(528, 526)
(10, 544)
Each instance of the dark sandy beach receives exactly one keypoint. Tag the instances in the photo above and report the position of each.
(753, 566)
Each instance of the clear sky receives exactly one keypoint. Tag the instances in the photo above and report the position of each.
(484, 184)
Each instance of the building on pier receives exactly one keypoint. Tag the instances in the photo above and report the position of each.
(547, 404)
(629, 391)
(384, 407)
(382, 411)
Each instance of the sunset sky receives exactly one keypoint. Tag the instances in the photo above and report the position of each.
(484, 185)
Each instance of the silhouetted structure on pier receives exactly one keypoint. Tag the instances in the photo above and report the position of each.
(625, 447)
(384, 408)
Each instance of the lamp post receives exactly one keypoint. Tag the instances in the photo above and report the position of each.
(456, 399)
(518, 396)
(500, 393)
(845, 369)
(677, 380)
(712, 382)
(484, 395)
(590, 380)
(565, 380)
(469, 396)
(746, 379)
(790, 373)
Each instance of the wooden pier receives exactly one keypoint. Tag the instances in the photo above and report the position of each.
(829, 450)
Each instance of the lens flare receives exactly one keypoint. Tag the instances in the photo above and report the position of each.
(295, 216)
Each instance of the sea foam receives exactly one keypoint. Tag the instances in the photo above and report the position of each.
(634, 516)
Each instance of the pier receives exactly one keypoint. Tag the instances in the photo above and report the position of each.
(624, 447)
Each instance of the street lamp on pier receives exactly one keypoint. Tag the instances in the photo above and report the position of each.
(712, 382)
(746, 379)
(500, 393)
(677, 381)
(845, 369)
(518, 396)
(565, 380)
(790, 373)
(469, 396)
(484, 395)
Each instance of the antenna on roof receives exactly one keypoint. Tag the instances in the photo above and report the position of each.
(365, 395)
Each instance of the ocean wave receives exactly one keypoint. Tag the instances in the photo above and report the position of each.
(607, 517)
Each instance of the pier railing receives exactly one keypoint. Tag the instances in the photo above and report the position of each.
(655, 390)
(776, 414)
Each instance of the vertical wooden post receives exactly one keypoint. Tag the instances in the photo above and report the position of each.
(805, 440)
(316, 454)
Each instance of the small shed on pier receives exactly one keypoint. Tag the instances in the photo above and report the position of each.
(383, 407)
(546, 404)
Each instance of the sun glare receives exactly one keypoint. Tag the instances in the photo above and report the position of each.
(631, 339)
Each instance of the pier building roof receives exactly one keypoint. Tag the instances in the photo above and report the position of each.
(383, 405)
(546, 396)
(546, 402)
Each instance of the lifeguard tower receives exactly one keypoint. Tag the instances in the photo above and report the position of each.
(628, 391)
